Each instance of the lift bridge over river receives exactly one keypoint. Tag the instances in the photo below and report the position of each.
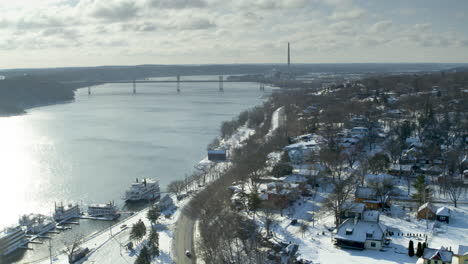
(178, 81)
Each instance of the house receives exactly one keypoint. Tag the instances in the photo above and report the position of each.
(166, 203)
(372, 178)
(359, 132)
(360, 234)
(426, 211)
(443, 214)
(462, 254)
(367, 196)
(352, 210)
(400, 170)
(217, 155)
(437, 256)
(280, 195)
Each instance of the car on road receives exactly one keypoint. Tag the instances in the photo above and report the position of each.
(187, 253)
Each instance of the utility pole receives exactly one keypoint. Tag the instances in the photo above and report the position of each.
(50, 251)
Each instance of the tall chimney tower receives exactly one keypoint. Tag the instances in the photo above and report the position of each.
(289, 57)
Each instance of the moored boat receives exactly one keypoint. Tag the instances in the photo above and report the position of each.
(147, 189)
(12, 238)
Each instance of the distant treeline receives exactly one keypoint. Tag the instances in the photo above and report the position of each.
(17, 94)
(106, 73)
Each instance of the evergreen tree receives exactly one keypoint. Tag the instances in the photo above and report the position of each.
(423, 191)
(138, 231)
(419, 251)
(144, 257)
(153, 214)
(154, 243)
(411, 248)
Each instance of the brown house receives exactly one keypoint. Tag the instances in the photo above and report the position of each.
(426, 211)
(367, 196)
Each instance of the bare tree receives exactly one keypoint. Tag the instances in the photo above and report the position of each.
(176, 187)
(342, 190)
(383, 188)
(453, 188)
(73, 245)
(304, 227)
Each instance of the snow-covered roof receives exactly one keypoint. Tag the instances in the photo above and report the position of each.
(414, 141)
(349, 230)
(398, 167)
(438, 254)
(462, 250)
(371, 216)
(305, 172)
(429, 206)
(354, 207)
(365, 192)
(217, 151)
(302, 145)
(443, 211)
(378, 177)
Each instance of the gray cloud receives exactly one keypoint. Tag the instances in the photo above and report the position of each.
(189, 24)
(115, 12)
(381, 26)
(70, 34)
(177, 4)
(144, 27)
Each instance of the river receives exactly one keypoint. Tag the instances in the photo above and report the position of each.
(90, 150)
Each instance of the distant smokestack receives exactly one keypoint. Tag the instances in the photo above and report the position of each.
(289, 56)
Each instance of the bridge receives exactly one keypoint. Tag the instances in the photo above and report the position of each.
(178, 81)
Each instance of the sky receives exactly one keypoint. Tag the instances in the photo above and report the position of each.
(63, 33)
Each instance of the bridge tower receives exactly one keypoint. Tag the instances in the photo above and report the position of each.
(134, 86)
(221, 88)
(178, 83)
(89, 90)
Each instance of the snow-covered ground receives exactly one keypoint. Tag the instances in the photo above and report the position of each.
(276, 121)
(316, 245)
(109, 246)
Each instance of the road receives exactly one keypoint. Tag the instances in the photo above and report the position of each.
(184, 238)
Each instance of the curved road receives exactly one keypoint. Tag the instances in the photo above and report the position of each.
(183, 238)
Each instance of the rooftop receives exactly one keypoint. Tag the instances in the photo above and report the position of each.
(359, 231)
(443, 211)
(438, 254)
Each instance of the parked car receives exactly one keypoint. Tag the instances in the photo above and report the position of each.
(188, 254)
(294, 222)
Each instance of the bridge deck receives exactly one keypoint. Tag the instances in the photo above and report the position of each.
(181, 81)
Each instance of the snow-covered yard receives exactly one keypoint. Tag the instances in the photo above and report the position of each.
(315, 244)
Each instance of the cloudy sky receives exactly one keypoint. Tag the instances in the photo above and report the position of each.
(51, 33)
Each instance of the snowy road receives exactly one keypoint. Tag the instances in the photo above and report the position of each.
(183, 239)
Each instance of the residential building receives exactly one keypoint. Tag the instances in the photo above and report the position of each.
(437, 256)
(368, 197)
(426, 211)
(462, 254)
(367, 233)
(443, 214)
